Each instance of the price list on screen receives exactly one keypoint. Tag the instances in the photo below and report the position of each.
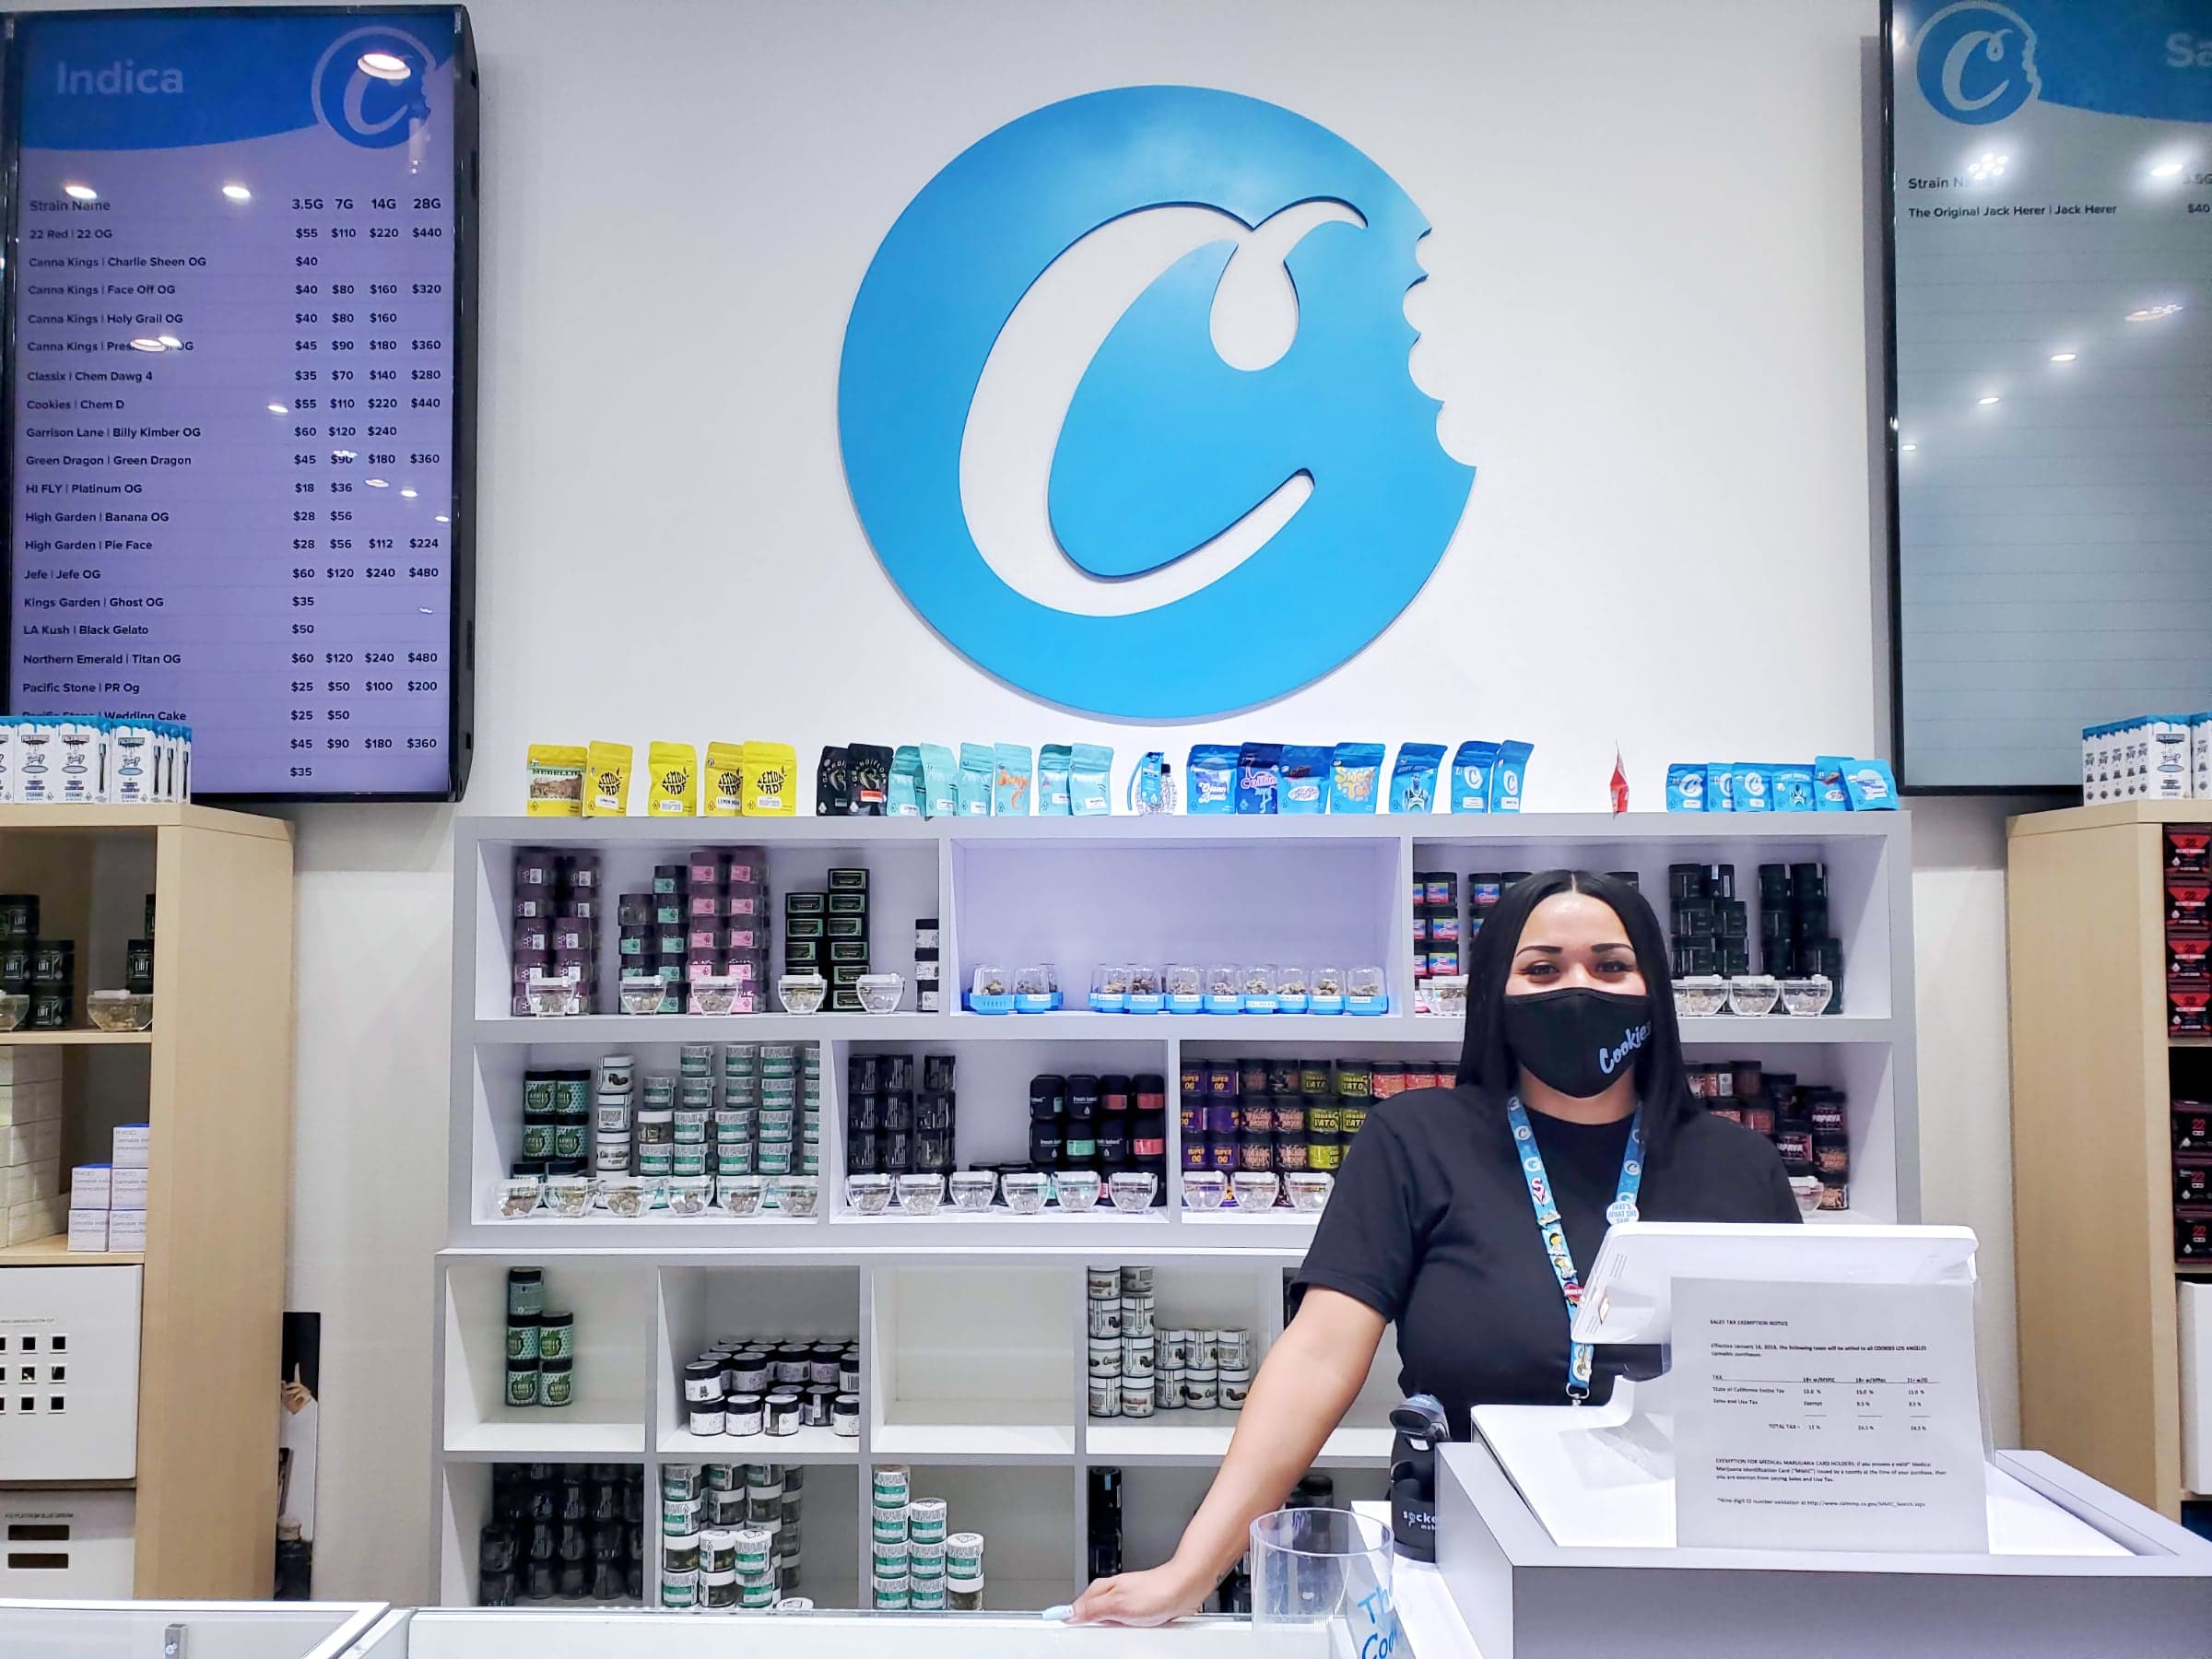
(234, 390)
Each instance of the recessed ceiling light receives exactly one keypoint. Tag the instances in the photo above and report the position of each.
(2167, 170)
(80, 193)
(279, 409)
(2063, 357)
(379, 484)
(238, 192)
(1985, 402)
(1908, 448)
(408, 493)
(171, 342)
(443, 519)
(143, 344)
(383, 65)
(2151, 314)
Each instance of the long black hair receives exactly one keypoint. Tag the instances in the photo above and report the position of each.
(1486, 1066)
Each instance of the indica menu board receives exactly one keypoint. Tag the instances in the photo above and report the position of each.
(239, 445)
(2051, 185)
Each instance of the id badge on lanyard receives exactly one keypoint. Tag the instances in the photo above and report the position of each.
(1554, 1232)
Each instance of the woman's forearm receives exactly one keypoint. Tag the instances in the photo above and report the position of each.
(1303, 1389)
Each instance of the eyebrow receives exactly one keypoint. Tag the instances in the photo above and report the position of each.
(1562, 949)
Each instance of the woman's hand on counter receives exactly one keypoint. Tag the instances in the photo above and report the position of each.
(1141, 1598)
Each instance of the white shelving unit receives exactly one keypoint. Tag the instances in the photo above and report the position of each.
(972, 1325)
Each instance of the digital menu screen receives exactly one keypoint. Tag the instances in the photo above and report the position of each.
(238, 450)
(2050, 185)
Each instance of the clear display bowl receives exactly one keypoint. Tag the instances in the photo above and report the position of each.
(921, 1195)
(119, 1010)
(972, 1190)
(568, 1196)
(548, 995)
(1448, 995)
(1364, 982)
(1024, 1190)
(14, 1007)
(689, 1194)
(1079, 1190)
(640, 996)
(1309, 1190)
(1204, 1189)
(713, 995)
(802, 992)
(1701, 997)
(1808, 996)
(518, 1195)
(1133, 1190)
(1254, 1189)
(880, 992)
(867, 1195)
(740, 1195)
(623, 1195)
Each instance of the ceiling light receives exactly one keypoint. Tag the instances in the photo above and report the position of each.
(408, 493)
(1985, 402)
(279, 409)
(238, 192)
(384, 66)
(1908, 448)
(443, 519)
(143, 344)
(2063, 357)
(80, 193)
(2167, 170)
(2151, 314)
(1987, 165)
(171, 342)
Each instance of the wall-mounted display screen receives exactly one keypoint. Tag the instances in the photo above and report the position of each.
(239, 443)
(2050, 187)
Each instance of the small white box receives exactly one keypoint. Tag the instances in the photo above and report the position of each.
(30, 1103)
(2168, 762)
(40, 1218)
(133, 1146)
(126, 1187)
(31, 1144)
(27, 1182)
(85, 1547)
(126, 1230)
(90, 1187)
(19, 1064)
(87, 1229)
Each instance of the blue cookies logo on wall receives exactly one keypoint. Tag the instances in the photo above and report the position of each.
(368, 86)
(1976, 62)
(1166, 454)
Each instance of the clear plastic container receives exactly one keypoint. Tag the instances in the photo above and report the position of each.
(1079, 1190)
(972, 1190)
(1133, 1190)
(1204, 1189)
(520, 1196)
(1448, 995)
(1325, 1567)
(868, 1195)
(1254, 1189)
(640, 994)
(568, 1196)
(689, 1194)
(120, 1010)
(880, 992)
(1701, 997)
(1808, 996)
(1363, 982)
(798, 1195)
(802, 992)
(1309, 1189)
(1752, 995)
(992, 980)
(740, 1195)
(1024, 1190)
(1110, 988)
(921, 1195)
(1224, 978)
(623, 1195)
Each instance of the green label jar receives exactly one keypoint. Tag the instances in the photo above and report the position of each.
(573, 1095)
(556, 1382)
(521, 1383)
(572, 1138)
(1354, 1119)
(537, 1133)
(1324, 1118)
(1355, 1080)
(1325, 1151)
(538, 1092)
(1313, 1076)
(522, 1340)
(556, 1336)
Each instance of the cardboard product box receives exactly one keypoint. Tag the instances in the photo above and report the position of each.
(30, 1103)
(126, 1230)
(90, 1187)
(133, 1146)
(126, 1187)
(24, 1182)
(40, 1218)
(21, 1064)
(87, 1229)
(30, 1144)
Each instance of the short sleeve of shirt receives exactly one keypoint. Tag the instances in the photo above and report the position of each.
(1368, 1244)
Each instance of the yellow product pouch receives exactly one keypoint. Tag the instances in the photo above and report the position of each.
(772, 779)
(606, 781)
(724, 793)
(555, 781)
(675, 790)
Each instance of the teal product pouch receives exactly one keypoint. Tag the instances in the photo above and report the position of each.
(1686, 786)
(1147, 795)
(1303, 785)
(1510, 774)
(1750, 783)
(1213, 778)
(940, 781)
(1010, 792)
(1355, 777)
(903, 799)
(1090, 781)
(1791, 790)
(1471, 767)
(1829, 794)
(1413, 778)
(1870, 787)
(1720, 787)
(1052, 761)
(1259, 779)
(978, 762)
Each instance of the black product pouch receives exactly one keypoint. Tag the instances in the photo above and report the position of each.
(833, 784)
(868, 779)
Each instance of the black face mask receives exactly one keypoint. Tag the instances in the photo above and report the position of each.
(1577, 1040)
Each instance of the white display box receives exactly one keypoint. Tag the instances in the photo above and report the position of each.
(88, 1230)
(133, 1146)
(30, 1182)
(62, 1542)
(127, 1187)
(90, 1188)
(1525, 1595)
(36, 1143)
(69, 1373)
(36, 1219)
(126, 1230)
(30, 1102)
(20, 1064)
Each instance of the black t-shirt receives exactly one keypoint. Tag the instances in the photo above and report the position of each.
(1431, 1224)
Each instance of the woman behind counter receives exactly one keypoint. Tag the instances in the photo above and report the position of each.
(1464, 1216)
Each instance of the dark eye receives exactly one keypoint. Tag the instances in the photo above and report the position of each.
(1616, 965)
(1539, 969)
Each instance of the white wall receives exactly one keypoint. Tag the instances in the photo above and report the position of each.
(1647, 314)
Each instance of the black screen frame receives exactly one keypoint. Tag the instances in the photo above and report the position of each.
(461, 678)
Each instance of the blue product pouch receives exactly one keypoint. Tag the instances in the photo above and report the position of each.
(1720, 787)
(1686, 786)
(940, 781)
(1051, 779)
(1829, 794)
(1147, 792)
(1305, 779)
(1870, 787)
(1472, 767)
(1213, 777)
(978, 762)
(1090, 781)
(1751, 785)
(1010, 790)
(1413, 778)
(1259, 776)
(903, 796)
(1355, 777)
(1791, 790)
(1510, 773)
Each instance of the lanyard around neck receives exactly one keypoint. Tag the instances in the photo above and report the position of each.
(1554, 1234)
